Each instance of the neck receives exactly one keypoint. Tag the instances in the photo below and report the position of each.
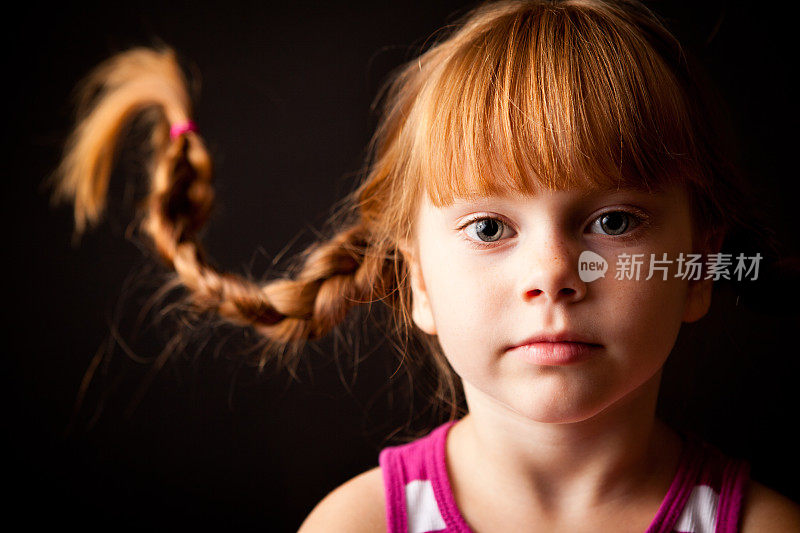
(610, 456)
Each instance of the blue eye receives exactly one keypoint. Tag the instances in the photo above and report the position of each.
(614, 223)
(488, 229)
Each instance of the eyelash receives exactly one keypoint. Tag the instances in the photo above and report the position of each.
(638, 217)
(481, 244)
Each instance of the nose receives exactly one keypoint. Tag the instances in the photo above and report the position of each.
(553, 274)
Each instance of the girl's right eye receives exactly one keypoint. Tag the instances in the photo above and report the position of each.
(487, 229)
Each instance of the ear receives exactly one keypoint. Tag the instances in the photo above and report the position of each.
(698, 297)
(698, 300)
(421, 311)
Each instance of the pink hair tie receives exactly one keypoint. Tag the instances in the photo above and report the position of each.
(179, 128)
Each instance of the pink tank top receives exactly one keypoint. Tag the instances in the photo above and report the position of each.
(705, 496)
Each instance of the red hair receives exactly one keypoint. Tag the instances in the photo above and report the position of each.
(516, 95)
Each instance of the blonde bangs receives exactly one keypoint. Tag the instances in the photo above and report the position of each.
(549, 97)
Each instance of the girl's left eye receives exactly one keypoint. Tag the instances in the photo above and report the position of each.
(614, 223)
(488, 229)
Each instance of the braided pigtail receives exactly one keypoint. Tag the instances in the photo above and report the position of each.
(333, 276)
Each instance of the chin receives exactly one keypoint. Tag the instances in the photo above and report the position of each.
(555, 410)
(546, 401)
(559, 416)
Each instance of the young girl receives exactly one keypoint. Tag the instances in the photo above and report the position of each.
(524, 166)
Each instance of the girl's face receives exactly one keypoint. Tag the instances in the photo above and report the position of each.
(489, 274)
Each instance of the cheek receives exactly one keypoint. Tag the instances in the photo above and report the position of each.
(462, 297)
(644, 316)
(466, 300)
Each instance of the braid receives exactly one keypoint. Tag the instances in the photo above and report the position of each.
(334, 276)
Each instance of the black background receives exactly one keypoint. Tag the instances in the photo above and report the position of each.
(285, 110)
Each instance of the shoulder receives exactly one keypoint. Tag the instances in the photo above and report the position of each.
(356, 506)
(766, 510)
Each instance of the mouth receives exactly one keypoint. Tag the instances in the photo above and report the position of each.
(555, 349)
(564, 336)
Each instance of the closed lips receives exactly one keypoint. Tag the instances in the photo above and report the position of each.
(556, 338)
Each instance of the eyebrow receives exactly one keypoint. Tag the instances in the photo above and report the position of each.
(627, 188)
(597, 190)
